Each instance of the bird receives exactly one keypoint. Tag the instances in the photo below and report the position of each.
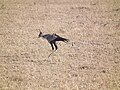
(52, 39)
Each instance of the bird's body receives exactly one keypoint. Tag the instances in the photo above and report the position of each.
(49, 37)
(52, 38)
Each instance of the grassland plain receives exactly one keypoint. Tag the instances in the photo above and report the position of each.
(90, 61)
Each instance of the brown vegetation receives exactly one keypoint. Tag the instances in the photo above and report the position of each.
(90, 61)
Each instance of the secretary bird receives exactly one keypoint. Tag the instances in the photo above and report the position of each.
(52, 38)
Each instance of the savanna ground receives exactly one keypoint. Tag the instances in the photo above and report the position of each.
(90, 61)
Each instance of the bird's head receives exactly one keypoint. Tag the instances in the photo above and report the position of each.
(40, 34)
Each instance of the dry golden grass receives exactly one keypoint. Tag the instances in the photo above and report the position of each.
(90, 61)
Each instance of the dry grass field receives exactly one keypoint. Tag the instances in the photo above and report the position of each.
(90, 61)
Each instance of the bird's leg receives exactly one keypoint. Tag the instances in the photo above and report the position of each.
(52, 45)
(56, 47)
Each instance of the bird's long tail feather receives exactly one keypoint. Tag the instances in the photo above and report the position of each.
(63, 39)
